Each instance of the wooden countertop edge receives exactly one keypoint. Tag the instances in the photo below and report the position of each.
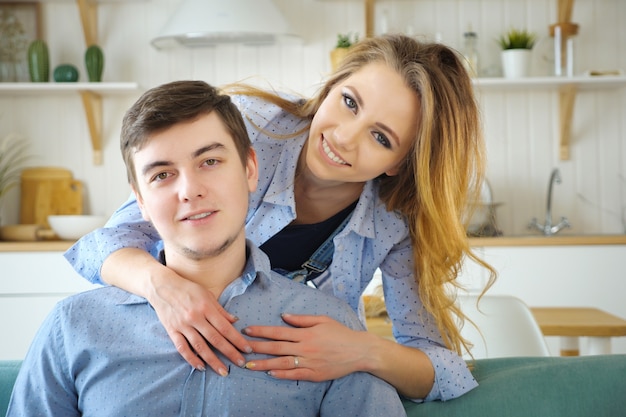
(563, 240)
(39, 246)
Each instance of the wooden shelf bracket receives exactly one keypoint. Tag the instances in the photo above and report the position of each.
(567, 98)
(92, 102)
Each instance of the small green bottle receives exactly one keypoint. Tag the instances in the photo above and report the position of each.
(38, 61)
(94, 61)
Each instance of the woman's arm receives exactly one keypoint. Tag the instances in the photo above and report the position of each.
(326, 349)
(118, 254)
(190, 314)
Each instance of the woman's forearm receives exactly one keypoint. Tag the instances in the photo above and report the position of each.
(408, 369)
(132, 270)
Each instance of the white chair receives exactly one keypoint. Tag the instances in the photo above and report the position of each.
(507, 327)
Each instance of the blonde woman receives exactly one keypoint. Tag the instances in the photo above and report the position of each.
(375, 171)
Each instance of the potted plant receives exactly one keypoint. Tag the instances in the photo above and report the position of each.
(344, 42)
(12, 157)
(516, 45)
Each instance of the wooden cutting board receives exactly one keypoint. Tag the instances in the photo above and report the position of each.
(49, 190)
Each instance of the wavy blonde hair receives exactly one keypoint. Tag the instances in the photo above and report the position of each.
(442, 172)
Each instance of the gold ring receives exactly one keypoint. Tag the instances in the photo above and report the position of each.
(296, 362)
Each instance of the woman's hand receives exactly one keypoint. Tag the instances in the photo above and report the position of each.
(323, 348)
(194, 320)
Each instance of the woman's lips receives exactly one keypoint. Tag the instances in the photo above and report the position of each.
(331, 155)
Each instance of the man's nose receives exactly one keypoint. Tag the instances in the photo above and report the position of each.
(191, 187)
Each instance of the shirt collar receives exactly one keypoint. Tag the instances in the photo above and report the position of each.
(257, 262)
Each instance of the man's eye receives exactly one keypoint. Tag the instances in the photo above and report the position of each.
(211, 162)
(160, 176)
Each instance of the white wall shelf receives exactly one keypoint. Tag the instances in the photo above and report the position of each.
(581, 82)
(91, 94)
(103, 88)
(567, 88)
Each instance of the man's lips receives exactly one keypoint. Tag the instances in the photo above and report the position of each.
(331, 155)
(199, 216)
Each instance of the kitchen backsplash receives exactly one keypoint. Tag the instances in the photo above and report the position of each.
(521, 127)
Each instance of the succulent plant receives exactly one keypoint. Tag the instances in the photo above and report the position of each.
(346, 40)
(517, 39)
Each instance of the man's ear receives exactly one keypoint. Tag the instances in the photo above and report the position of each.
(252, 170)
(142, 207)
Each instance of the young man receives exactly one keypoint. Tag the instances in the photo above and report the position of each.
(105, 353)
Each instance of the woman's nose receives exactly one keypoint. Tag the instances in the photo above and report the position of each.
(347, 134)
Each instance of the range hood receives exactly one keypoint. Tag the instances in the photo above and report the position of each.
(200, 23)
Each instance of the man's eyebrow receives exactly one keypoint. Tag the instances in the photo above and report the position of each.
(207, 148)
(198, 152)
(149, 167)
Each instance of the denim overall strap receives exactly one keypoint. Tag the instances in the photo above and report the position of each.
(319, 261)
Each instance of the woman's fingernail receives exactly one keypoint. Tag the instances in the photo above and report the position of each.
(223, 372)
(241, 363)
(248, 349)
(250, 365)
(201, 368)
(245, 330)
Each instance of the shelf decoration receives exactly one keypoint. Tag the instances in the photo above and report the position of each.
(65, 73)
(344, 42)
(19, 25)
(94, 61)
(38, 61)
(516, 47)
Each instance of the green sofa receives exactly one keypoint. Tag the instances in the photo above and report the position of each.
(586, 386)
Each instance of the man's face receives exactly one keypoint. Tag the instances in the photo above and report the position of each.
(193, 187)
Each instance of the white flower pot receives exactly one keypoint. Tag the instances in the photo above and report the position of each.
(516, 63)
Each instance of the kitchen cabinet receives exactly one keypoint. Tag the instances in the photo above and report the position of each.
(91, 94)
(31, 283)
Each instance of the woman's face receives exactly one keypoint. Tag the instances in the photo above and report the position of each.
(364, 128)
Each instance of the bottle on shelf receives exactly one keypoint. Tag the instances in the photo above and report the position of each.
(470, 52)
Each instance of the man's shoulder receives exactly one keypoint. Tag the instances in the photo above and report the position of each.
(313, 301)
(102, 296)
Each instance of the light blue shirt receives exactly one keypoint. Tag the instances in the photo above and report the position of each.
(373, 238)
(105, 353)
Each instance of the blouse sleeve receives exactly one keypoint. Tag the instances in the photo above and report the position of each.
(413, 327)
(125, 229)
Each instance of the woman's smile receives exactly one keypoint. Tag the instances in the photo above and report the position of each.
(332, 155)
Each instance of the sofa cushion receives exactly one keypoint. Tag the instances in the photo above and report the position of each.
(8, 373)
(539, 386)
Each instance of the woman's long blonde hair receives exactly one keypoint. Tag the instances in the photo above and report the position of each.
(441, 174)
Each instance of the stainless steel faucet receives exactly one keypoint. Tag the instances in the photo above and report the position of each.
(548, 229)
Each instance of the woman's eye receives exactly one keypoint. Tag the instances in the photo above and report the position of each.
(382, 139)
(349, 101)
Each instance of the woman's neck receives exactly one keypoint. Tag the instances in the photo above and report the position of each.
(318, 200)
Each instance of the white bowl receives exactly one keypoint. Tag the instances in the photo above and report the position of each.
(74, 226)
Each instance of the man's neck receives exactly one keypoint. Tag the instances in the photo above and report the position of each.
(214, 273)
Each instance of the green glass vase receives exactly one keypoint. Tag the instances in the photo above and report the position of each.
(94, 62)
(38, 61)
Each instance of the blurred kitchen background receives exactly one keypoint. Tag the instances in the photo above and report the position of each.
(522, 124)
